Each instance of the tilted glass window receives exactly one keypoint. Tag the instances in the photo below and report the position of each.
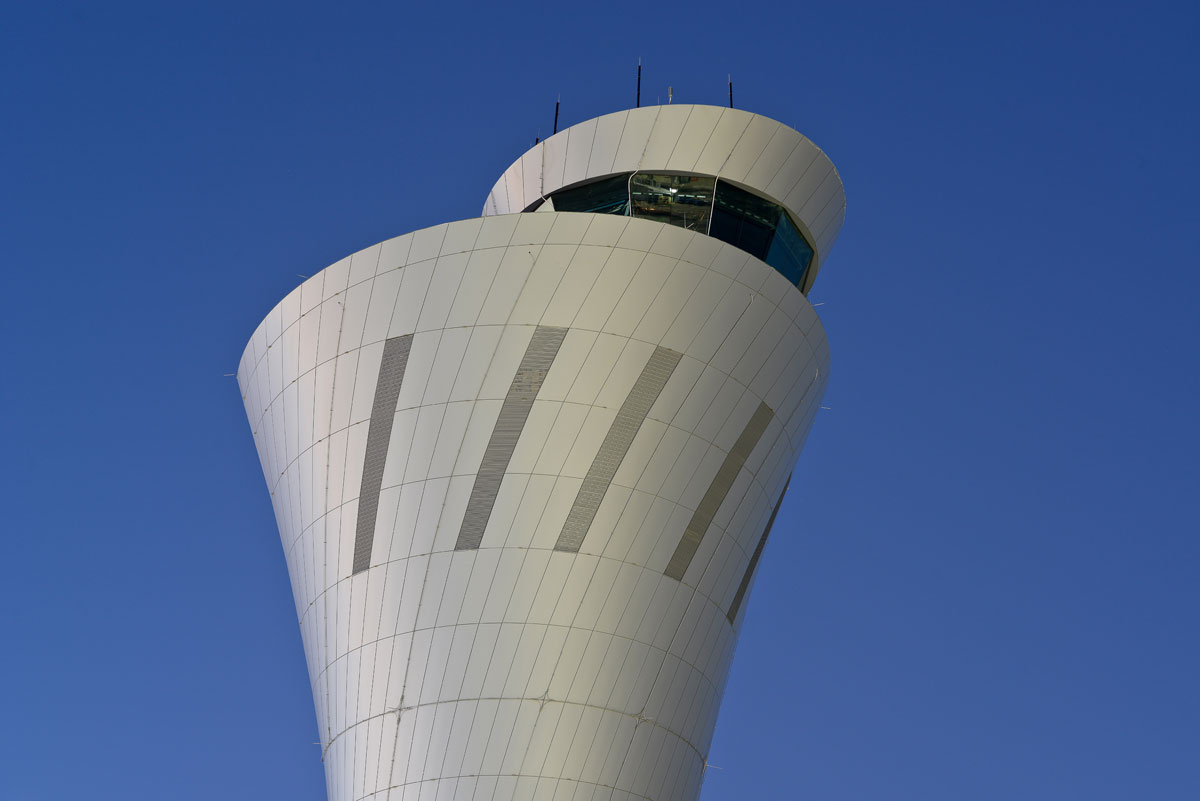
(762, 229)
(606, 196)
(700, 203)
(681, 200)
(744, 220)
(790, 253)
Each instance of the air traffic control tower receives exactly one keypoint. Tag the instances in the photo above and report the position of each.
(524, 465)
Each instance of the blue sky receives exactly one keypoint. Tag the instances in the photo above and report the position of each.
(983, 582)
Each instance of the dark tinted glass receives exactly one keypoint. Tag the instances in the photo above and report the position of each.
(699, 203)
(789, 253)
(762, 229)
(682, 200)
(744, 220)
(606, 196)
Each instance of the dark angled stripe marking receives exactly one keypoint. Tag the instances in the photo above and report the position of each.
(616, 444)
(379, 434)
(728, 472)
(543, 347)
(762, 542)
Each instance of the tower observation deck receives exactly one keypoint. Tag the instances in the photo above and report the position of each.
(524, 465)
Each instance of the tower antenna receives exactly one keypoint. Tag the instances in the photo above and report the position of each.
(730, 90)
(639, 89)
(556, 102)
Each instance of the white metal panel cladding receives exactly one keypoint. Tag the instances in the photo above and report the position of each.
(625, 427)
(383, 411)
(513, 670)
(717, 491)
(758, 549)
(543, 347)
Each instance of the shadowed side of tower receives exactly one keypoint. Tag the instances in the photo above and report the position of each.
(524, 465)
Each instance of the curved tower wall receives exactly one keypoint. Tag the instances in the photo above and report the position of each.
(523, 467)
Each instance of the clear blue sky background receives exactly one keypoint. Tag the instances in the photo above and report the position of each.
(983, 584)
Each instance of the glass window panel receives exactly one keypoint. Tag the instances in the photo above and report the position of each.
(751, 223)
(682, 200)
(762, 229)
(606, 196)
(789, 253)
(744, 220)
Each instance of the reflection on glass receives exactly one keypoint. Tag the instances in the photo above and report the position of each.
(762, 229)
(606, 196)
(744, 220)
(703, 204)
(789, 253)
(682, 200)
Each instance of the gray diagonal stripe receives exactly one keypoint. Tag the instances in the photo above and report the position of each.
(543, 347)
(762, 542)
(379, 434)
(616, 444)
(728, 472)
